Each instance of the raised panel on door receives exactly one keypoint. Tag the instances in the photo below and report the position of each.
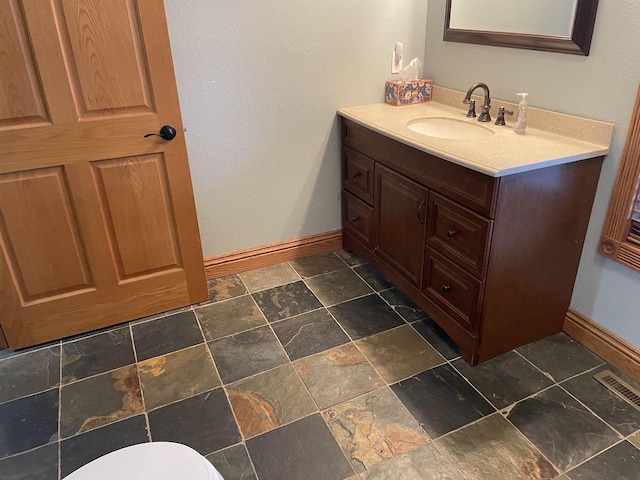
(137, 209)
(400, 214)
(21, 99)
(103, 47)
(41, 241)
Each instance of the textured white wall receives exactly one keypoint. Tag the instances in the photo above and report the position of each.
(260, 82)
(601, 86)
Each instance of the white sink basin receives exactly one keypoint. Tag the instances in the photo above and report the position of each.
(443, 127)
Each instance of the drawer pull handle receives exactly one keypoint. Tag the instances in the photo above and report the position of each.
(446, 288)
(420, 217)
(356, 175)
(355, 219)
(451, 233)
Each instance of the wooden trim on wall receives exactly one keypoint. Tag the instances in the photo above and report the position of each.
(614, 243)
(266, 255)
(601, 341)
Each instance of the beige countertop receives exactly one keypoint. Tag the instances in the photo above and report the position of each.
(551, 138)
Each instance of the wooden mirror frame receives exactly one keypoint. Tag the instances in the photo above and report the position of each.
(578, 44)
(614, 243)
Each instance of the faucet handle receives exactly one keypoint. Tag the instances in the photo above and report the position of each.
(501, 114)
(472, 108)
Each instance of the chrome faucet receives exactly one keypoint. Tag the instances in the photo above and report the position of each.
(484, 116)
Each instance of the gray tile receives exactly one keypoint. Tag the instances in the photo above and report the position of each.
(493, 448)
(423, 463)
(309, 333)
(562, 429)
(621, 462)
(177, 375)
(608, 406)
(437, 337)
(337, 375)
(366, 316)
(233, 463)
(441, 400)
(374, 428)
(225, 287)
(269, 277)
(100, 400)
(505, 379)
(373, 277)
(399, 353)
(9, 353)
(38, 464)
(28, 422)
(247, 353)
(29, 373)
(204, 422)
(401, 303)
(301, 450)
(560, 356)
(96, 354)
(339, 286)
(318, 264)
(286, 301)
(166, 335)
(77, 451)
(350, 258)
(269, 400)
(232, 316)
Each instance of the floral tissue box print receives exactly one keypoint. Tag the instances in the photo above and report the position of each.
(406, 93)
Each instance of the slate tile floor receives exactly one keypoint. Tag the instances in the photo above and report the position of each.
(314, 369)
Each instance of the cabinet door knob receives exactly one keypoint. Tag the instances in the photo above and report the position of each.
(355, 219)
(420, 216)
(451, 233)
(357, 174)
(446, 288)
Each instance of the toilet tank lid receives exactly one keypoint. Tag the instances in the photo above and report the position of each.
(147, 461)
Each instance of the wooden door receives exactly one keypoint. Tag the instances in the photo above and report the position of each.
(97, 222)
(400, 216)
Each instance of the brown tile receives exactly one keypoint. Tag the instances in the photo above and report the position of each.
(399, 353)
(423, 463)
(493, 448)
(337, 375)
(225, 287)
(635, 439)
(177, 375)
(269, 277)
(337, 287)
(374, 428)
(230, 317)
(100, 400)
(269, 400)
(318, 264)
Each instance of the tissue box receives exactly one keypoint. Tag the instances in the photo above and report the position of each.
(406, 93)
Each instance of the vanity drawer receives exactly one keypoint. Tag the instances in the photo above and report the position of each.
(357, 218)
(454, 290)
(357, 174)
(459, 234)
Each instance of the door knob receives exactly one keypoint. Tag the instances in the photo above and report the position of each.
(167, 132)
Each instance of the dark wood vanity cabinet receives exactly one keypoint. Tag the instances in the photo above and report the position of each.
(492, 260)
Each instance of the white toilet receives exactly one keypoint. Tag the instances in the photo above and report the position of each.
(149, 461)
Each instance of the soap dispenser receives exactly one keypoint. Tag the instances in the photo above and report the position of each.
(521, 119)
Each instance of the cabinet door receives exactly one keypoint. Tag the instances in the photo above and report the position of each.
(400, 211)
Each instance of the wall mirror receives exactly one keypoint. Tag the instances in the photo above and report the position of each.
(551, 25)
